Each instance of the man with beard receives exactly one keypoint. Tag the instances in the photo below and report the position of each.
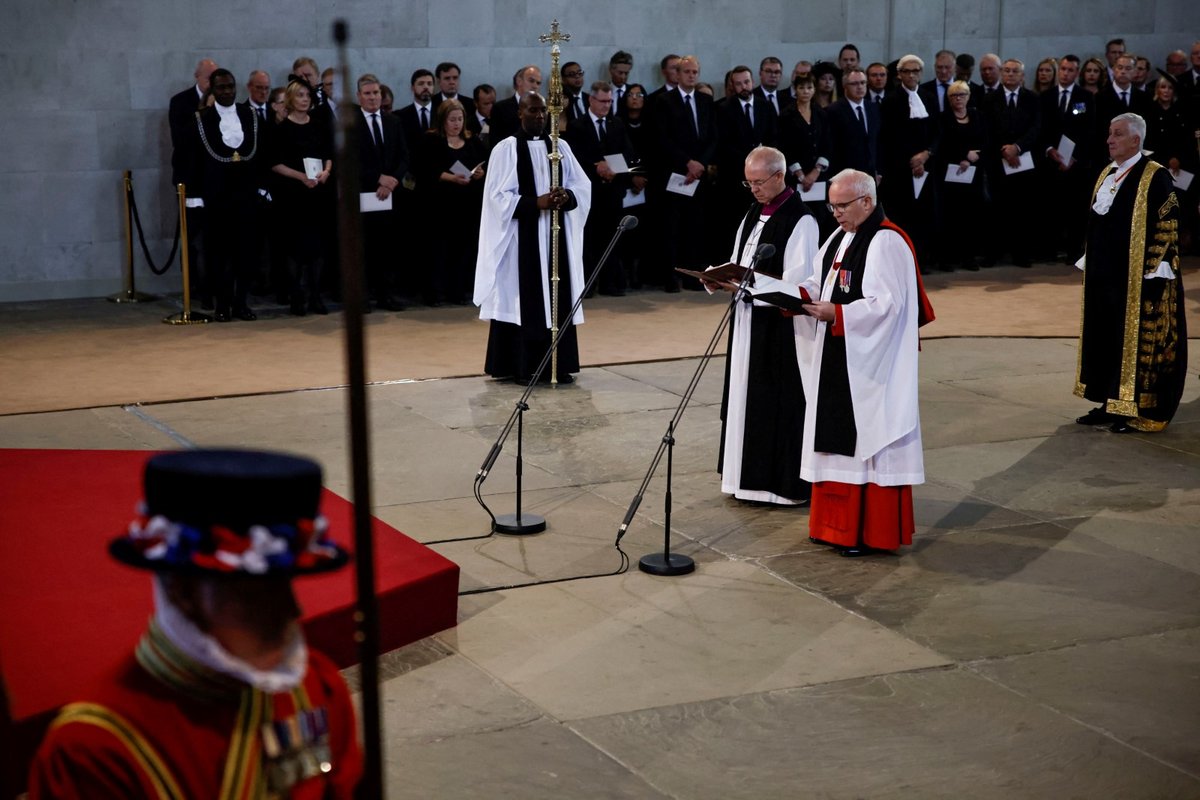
(513, 270)
(221, 697)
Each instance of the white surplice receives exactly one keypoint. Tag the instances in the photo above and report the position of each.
(881, 361)
(497, 282)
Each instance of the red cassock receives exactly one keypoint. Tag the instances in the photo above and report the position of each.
(160, 727)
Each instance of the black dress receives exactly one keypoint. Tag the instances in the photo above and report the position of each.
(803, 142)
(962, 203)
(454, 241)
(303, 211)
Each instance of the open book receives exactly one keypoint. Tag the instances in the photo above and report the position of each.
(761, 287)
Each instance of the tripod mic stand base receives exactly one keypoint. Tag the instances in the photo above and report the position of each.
(666, 564)
(519, 526)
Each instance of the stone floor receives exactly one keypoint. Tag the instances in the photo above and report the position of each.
(1041, 638)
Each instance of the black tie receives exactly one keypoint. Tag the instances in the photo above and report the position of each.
(746, 111)
(878, 99)
(1062, 106)
(861, 119)
(378, 133)
(424, 119)
(942, 96)
(1125, 99)
(262, 113)
(600, 128)
(1012, 101)
(687, 101)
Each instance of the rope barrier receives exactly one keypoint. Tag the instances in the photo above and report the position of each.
(137, 221)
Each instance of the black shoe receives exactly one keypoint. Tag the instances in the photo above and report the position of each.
(245, 314)
(1121, 426)
(1097, 416)
(221, 316)
(316, 306)
(853, 552)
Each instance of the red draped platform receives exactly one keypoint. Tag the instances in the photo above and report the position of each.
(67, 609)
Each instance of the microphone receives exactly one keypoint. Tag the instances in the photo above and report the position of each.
(629, 222)
(765, 250)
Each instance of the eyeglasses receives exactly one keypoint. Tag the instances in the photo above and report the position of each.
(854, 83)
(573, 74)
(909, 71)
(836, 207)
(635, 94)
(759, 184)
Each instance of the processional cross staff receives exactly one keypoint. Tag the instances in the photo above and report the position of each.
(555, 108)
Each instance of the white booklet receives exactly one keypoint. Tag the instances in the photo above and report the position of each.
(632, 199)
(816, 193)
(952, 175)
(1183, 180)
(312, 168)
(1066, 149)
(919, 184)
(1025, 162)
(459, 168)
(616, 162)
(676, 184)
(367, 201)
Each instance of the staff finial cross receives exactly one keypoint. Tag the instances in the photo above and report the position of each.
(554, 36)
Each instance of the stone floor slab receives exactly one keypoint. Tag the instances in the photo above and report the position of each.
(88, 429)
(618, 644)
(930, 734)
(999, 592)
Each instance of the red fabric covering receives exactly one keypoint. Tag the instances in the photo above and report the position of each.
(68, 611)
(847, 515)
(190, 735)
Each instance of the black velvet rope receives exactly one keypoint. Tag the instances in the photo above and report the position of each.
(137, 220)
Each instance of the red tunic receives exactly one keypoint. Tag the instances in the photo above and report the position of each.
(138, 737)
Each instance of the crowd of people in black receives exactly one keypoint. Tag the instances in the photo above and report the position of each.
(975, 170)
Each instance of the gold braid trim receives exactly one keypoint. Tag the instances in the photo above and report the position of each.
(147, 758)
(244, 778)
(1125, 404)
(1079, 387)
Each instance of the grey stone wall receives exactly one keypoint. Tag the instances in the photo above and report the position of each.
(86, 82)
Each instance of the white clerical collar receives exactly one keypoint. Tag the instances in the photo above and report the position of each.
(1127, 163)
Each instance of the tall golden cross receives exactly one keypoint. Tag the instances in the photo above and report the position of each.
(554, 36)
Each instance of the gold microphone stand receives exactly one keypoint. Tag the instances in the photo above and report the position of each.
(554, 103)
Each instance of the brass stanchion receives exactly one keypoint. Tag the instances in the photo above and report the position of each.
(186, 317)
(130, 295)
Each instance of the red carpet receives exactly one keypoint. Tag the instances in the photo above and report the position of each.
(67, 608)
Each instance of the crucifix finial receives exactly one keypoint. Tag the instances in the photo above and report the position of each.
(554, 36)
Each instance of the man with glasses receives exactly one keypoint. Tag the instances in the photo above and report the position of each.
(763, 407)
(859, 345)
(854, 127)
(575, 99)
(770, 72)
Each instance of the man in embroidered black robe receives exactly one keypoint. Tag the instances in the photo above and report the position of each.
(762, 408)
(1133, 337)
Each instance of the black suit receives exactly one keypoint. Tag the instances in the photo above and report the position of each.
(571, 107)
(929, 93)
(1067, 191)
(853, 148)
(1109, 105)
(467, 103)
(375, 161)
(228, 181)
(589, 149)
(736, 138)
(505, 121)
(181, 117)
(682, 138)
(1014, 195)
(410, 123)
(979, 94)
(782, 97)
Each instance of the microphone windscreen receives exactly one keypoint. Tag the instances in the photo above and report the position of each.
(629, 222)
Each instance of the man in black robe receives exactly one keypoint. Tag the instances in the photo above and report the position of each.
(1133, 338)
